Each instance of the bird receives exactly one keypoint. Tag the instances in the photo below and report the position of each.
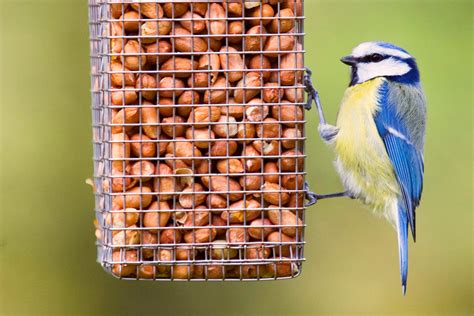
(379, 137)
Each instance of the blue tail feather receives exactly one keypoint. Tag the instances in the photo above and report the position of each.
(402, 231)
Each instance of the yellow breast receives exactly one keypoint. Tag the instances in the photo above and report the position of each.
(362, 160)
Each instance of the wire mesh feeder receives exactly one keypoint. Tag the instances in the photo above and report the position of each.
(198, 127)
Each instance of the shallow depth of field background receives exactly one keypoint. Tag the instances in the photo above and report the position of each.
(47, 252)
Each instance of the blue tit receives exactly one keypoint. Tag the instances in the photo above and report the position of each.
(379, 137)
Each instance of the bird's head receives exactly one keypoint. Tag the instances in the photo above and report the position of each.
(378, 59)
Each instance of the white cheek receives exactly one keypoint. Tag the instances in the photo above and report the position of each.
(387, 67)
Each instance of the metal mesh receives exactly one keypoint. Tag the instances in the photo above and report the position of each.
(198, 131)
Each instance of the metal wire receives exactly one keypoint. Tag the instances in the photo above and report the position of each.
(180, 196)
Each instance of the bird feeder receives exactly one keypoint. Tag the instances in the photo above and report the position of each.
(198, 136)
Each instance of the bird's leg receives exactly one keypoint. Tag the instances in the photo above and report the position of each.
(313, 197)
(334, 195)
(326, 131)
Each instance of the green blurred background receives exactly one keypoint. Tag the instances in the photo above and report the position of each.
(47, 251)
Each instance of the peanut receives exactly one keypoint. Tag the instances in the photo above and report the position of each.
(288, 113)
(256, 110)
(292, 160)
(234, 8)
(271, 93)
(194, 23)
(260, 228)
(246, 131)
(271, 172)
(184, 149)
(120, 76)
(230, 60)
(283, 22)
(292, 224)
(221, 250)
(255, 252)
(161, 47)
(236, 30)
(120, 149)
(199, 7)
(125, 96)
(273, 193)
(117, 9)
(210, 62)
(251, 164)
(276, 43)
(130, 21)
(188, 97)
(225, 186)
(284, 244)
(134, 59)
(151, 31)
(184, 43)
(142, 146)
(291, 61)
(178, 66)
(248, 87)
(293, 181)
(223, 148)
(164, 183)
(242, 211)
(200, 235)
(217, 93)
(147, 86)
(143, 170)
(128, 115)
(262, 14)
(149, 117)
(216, 24)
(170, 87)
(227, 128)
(175, 10)
(173, 126)
(251, 183)
(255, 39)
(123, 219)
(197, 218)
(230, 166)
(126, 269)
(165, 107)
(237, 111)
(201, 116)
(269, 129)
(136, 198)
(191, 196)
(170, 236)
(150, 10)
(216, 201)
(236, 235)
(157, 219)
(261, 63)
(200, 136)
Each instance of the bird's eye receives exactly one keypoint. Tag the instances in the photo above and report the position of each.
(375, 58)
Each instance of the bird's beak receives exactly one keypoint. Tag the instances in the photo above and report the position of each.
(349, 60)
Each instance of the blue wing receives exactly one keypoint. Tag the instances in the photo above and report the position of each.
(406, 158)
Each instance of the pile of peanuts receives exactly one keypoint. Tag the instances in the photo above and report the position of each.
(206, 148)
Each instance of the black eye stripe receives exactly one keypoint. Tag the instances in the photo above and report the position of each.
(373, 58)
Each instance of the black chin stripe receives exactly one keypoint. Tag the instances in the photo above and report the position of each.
(354, 77)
